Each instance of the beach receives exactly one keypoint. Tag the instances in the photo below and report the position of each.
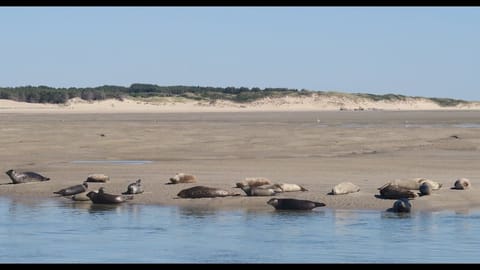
(222, 145)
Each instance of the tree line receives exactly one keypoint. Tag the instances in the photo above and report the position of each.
(46, 94)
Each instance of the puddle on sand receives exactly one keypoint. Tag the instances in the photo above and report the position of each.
(131, 162)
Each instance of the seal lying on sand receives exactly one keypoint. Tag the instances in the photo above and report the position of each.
(290, 187)
(80, 197)
(25, 177)
(462, 183)
(344, 188)
(425, 189)
(293, 204)
(414, 184)
(254, 182)
(106, 198)
(256, 191)
(402, 206)
(72, 190)
(204, 192)
(98, 178)
(134, 188)
(389, 191)
(183, 178)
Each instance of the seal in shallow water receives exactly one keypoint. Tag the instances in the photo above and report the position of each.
(204, 192)
(25, 177)
(72, 190)
(293, 204)
(402, 206)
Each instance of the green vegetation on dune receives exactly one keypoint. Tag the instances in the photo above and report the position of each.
(45, 94)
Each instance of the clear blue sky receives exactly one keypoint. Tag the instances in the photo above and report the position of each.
(419, 51)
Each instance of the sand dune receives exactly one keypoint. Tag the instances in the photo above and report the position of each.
(312, 103)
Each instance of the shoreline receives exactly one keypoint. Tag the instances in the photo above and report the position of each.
(224, 148)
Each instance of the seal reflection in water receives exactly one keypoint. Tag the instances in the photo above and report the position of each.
(25, 177)
(204, 192)
(294, 204)
(106, 198)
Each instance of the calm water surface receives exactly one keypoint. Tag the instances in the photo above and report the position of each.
(62, 231)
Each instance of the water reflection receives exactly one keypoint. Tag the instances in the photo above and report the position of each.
(146, 233)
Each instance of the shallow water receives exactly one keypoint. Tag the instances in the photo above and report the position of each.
(63, 231)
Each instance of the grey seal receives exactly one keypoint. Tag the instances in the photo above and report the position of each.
(402, 206)
(25, 177)
(106, 198)
(204, 192)
(134, 188)
(80, 197)
(72, 190)
(255, 191)
(293, 204)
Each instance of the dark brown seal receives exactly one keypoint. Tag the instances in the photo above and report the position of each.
(390, 191)
(106, 198)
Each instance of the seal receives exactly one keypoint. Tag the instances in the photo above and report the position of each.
(80, 197)
(72, 190)
(414, 184)
(98, 178)
(389, 191)
(204, 192)
(106, 198)
(256, 191)
(254, 182)
(25, 177)
(425, 189)
(462, 183)
(290, 187)
(134, 188)
(183, 178)
(345, 188)
(293, 204)
(402, 206)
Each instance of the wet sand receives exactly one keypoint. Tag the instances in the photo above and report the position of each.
(314, 149)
